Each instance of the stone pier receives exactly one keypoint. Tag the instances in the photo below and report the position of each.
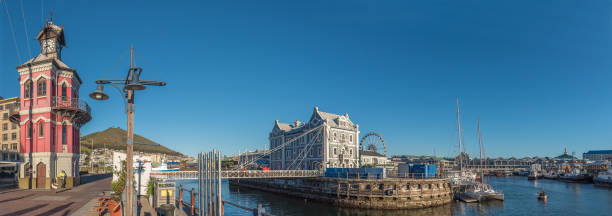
(388, 193)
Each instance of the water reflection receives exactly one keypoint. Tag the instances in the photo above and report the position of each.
(521, 199)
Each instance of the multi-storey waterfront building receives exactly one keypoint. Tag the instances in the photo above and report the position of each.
(9, 132)
(50, 114)
(595, 155)
(326, 140)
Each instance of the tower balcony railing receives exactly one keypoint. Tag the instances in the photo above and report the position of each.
(78, 109)
(59, 102)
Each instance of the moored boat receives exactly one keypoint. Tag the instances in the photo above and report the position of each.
(576, 176)
(479, 191)
(542, 195)
(550, 174)
(604, 178)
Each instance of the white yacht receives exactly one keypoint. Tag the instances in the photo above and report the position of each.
(481, 192)
(550, 174)
(576, 175)
(478, 191)
(604, 178)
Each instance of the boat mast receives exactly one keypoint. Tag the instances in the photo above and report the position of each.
(460, 137)
(480, 145)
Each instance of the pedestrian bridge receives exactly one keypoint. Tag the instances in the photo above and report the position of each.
(240, 174)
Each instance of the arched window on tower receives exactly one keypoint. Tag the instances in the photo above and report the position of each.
(41, 129)
(42, 87)
(28, 89)
(64, 92)
(64, 137)
(29, 130)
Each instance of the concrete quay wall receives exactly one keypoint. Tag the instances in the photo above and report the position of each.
(389, 193)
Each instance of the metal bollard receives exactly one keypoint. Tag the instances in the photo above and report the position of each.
(180, 196)
(192, 202)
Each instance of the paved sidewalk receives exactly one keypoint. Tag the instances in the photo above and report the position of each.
(146, 209)
(39, 203)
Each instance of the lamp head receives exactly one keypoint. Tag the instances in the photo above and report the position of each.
(99, 94)
(134, 80)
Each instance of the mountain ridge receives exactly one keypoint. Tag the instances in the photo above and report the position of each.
(116, 138)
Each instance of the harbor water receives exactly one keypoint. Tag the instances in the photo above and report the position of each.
(520, 199)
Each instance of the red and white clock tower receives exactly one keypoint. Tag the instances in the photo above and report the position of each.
(50, 115)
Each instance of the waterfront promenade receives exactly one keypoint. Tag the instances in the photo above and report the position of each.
(45, 202)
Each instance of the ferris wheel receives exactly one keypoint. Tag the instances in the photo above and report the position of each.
(373, 142)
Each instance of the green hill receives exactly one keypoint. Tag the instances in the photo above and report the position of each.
(116, 139)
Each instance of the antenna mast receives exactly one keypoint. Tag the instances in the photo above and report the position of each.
(481, 151)
(460, 137)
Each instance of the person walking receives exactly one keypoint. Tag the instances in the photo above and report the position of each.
(63, 178)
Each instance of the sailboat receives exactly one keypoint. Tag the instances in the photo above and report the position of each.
(461, 176)
(478, 191)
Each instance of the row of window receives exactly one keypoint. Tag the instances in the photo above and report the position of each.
(41, 131)
(8, 106)
(336, 152)
(5, 136)
(6, 147)
(5, 126)
(41, 85)
(342, 137)
(314, 152)
(300, 141)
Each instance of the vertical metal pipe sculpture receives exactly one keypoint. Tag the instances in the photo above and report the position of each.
(219, 197)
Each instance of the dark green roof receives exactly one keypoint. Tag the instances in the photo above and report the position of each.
(599, 152)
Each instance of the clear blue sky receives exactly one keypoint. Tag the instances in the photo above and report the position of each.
(537, 73)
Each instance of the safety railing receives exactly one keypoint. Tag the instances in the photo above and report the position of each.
(68, 102)
(192, 200)
(236, 174)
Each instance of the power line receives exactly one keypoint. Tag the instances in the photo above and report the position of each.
(152, 71)
(25, 28)
(118, 61)
(12, 31)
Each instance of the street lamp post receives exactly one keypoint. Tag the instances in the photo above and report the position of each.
(130, 84)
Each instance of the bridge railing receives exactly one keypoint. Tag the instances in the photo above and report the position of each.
(232, 174)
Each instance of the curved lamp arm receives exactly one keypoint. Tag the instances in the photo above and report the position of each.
(123, 96)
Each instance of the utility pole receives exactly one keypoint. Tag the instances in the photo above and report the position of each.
(130, 84)
(130, 145)
(91, 155)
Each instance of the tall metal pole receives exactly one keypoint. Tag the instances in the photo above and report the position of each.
(205, 184)
(200, 181)
(460, 137)
(219, 192)
(130, 146)
(139, 176)
(92, 156)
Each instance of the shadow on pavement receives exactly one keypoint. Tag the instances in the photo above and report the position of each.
(16, 198)
(57, 209)
(94, 177)
(24, 211)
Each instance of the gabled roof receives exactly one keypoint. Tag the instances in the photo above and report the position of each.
(51, 30)
(316, 119)
(42, 57)
(285, 127)
(332, 119)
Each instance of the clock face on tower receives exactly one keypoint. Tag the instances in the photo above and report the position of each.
(49, 46)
